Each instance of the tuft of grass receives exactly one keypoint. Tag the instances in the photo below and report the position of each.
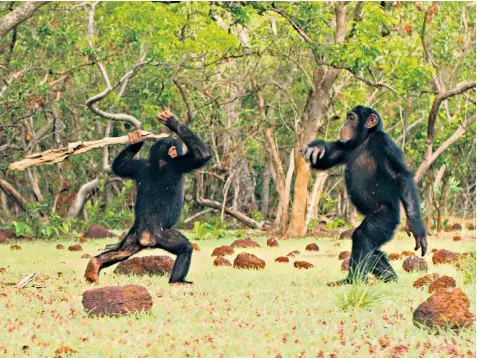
(360, 295)
(468, 267)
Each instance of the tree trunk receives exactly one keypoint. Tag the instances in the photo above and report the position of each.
(320, 181)
(265, 197)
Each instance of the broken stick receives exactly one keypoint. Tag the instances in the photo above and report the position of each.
(26, 280)
(53, 156)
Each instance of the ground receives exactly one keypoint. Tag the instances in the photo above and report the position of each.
(227, 312)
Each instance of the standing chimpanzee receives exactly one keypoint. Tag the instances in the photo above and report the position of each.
(377, 178)
(159, 182)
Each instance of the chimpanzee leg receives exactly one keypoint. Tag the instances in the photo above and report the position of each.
(382, 269)
(128, 247)
(374, 231)
(176, 243)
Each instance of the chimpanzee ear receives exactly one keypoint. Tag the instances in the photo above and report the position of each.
(372, 121)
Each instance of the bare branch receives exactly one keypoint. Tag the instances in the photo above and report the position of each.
(17, 16)
(58, 155)
(426, 164)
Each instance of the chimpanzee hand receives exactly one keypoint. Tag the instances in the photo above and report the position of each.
(135, 137)
(314, 151)
(165, 116)
(419, 232)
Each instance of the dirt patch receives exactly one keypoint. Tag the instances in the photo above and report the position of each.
(303, 265)
(272, 242)
(445, 257)
(248, 261)
(116, 300)
(245, 243)
(98, 232)
(425, 280)
(76, 247)
(414, 263)
(223, 251)
(448, 308)
(147, 265)
(442, 283)
(221, 261)
(312, 247)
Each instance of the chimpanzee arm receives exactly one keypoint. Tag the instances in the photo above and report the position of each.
(324, 155)
(197, 152)
(124, 165)
(407, 190)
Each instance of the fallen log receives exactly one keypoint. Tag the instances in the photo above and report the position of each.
(53, 156)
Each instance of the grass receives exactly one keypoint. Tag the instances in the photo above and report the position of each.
(228, 312)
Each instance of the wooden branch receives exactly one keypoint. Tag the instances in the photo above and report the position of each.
(26, 280)
(459, 89)
(426, 164)
(53, 156)
(17, 16)
(236, 214)
(13, 193)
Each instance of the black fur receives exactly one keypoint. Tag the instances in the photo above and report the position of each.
(159, 182)
(377, 180)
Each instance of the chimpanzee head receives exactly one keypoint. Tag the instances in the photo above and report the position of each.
(360, 123)
(164, 149)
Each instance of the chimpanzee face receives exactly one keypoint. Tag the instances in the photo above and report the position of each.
(360, 122)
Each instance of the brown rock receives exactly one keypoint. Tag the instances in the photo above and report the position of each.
(445, 257)
(407, 253)
(195, 247)
(116, 300)
(457, 226)
(337, 244)
(147, 265)
(76, 247)
(98, 232)
(434, 250)
(442, 283)
(82, 239)
(348, 234)
(447, 308)
(86, 256)
(344, 255)
(223, 251)
(345, 265)
(425, 280)
(272, 242)
(248, 261)
(302, 265)
(471, 227)
(15, 247)
(282, 259)
(414, 263)
(294, 253)
(245, 243)
(394, 256)
(221, 261)
(312, 247)
(456, 238)
(60, 247)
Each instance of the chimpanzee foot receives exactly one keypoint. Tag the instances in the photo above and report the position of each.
(181, 283)
(339, 283)
(91, 274)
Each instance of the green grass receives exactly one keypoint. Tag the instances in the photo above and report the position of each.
(228, 312)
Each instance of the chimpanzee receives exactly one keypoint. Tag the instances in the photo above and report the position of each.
(159, 181)
(377, 179)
